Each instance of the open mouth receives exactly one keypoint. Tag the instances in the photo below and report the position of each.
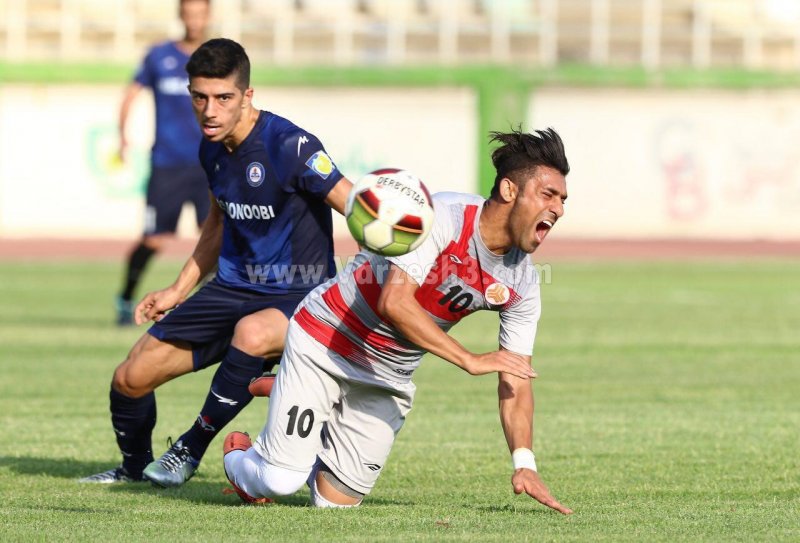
(210, 130)
(542, 229)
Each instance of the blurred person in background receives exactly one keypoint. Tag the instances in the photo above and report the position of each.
(176, 176)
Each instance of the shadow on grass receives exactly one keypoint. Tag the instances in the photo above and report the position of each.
(66, 468)
(213, 493)
(197, 491)
(201, 492)
(529, 508)
(72, 320)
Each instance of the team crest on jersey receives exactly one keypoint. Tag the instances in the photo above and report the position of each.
(497, 294)
(321, 164)
(255, 174)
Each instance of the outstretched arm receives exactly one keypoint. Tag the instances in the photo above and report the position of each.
(337, 197)
(155, 304)
(398, 305)
(516, 415)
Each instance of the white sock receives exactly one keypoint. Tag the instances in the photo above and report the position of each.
(258, 478)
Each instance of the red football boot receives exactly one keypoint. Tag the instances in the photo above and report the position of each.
(261, 387)
(240, 441)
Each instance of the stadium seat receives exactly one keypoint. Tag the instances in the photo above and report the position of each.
(351, 32)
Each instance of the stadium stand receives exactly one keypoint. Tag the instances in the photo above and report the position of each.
(760, 34)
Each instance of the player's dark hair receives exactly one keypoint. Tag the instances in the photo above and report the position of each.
(218, 59)
(519, 153)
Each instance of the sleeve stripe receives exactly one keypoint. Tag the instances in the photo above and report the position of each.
(335, 302)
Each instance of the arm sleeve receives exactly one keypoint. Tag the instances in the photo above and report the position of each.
(418, 263)
(518, 324)
(312, 170)
(145, 74)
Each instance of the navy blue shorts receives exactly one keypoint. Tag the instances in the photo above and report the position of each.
(167, 191)
(206, 320)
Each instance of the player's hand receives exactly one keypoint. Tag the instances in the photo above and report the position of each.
(528, 481)
(155, 305)
(500, 361)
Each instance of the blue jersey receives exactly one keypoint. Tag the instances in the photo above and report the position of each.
(278, 232)
(177, 131)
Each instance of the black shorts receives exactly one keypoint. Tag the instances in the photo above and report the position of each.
(167, 190)
(207, 319)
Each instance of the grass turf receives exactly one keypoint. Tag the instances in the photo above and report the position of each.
(668, 409)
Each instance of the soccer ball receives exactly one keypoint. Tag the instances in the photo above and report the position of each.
(389, 212)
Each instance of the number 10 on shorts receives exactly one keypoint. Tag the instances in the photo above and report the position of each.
(303, 423)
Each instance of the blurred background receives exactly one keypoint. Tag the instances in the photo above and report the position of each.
(681, 117)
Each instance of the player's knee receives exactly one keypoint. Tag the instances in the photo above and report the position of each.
(257, 477)
(130, 377)
(257, 339)
(155, 242)
(328, 491)
(125, 385)
(280, 481)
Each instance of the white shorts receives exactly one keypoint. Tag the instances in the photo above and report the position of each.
(324, 406)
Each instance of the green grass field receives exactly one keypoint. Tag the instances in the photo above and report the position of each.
(668, 409)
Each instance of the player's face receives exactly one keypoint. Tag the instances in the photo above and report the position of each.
(219, 105)
(195, 15)
(537, 208)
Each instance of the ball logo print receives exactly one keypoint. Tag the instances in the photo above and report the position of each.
(389, 211)
(255, 174)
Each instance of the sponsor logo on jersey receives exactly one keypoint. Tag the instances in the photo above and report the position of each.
(497, 294)
(403, 372)
(373, 467)
(255, 174)
(321, 164)
(300, 141)
(238, 212)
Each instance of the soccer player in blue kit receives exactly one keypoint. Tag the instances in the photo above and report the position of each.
(175, 173)
(270, 233)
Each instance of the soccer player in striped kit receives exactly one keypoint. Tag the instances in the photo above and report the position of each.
(345, 386)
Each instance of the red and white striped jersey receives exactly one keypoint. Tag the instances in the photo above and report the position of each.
(457, 274)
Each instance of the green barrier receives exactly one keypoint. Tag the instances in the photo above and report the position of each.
(502, 92)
